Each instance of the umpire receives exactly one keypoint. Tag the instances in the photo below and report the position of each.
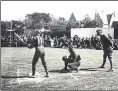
(107, 48)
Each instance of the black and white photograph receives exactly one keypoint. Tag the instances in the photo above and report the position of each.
(59, 45)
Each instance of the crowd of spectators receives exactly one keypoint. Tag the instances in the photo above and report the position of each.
(57, 42)
(12, 41)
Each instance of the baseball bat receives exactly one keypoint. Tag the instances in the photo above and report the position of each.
(20, 38)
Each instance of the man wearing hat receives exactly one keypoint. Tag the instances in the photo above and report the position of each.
(107, 48)
(73, 60)
(38, 43)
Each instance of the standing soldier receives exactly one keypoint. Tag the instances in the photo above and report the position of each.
(38, 43)
(107, 48)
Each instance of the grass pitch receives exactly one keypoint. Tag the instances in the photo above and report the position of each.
(16, 65)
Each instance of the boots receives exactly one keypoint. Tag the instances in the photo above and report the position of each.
(33, 72)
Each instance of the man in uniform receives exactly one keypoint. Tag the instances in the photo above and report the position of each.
(107, 48)
(73, 61)
(38, 43)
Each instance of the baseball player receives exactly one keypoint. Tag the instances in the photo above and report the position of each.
(107, 48)
(38, 44)
(73, 60)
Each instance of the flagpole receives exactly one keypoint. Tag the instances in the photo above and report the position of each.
(10, 33)
(108, 28)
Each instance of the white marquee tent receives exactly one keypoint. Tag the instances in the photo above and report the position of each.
(88, 32)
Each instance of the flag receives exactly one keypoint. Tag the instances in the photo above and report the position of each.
(109, 16)
(114, 13)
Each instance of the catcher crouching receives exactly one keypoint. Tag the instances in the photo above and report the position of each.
(72, 61)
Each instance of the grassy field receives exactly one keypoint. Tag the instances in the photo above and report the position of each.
(16, 65)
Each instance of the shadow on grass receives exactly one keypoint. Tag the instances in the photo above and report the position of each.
(61, 71)
(82, 69)
(14, 76)
(90, 69)
(54, 71)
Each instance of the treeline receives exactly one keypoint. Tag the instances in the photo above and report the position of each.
(46, 20)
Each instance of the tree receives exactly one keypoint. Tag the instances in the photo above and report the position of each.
(4, 26)
(37, 20)
(88, 23)
(58, 24)
(72, 22)
(93, 24)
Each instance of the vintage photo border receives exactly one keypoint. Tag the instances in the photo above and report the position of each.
(47, 0)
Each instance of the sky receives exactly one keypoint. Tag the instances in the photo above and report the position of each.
(17, 10)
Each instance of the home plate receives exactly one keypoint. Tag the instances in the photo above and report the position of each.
(38, 78)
